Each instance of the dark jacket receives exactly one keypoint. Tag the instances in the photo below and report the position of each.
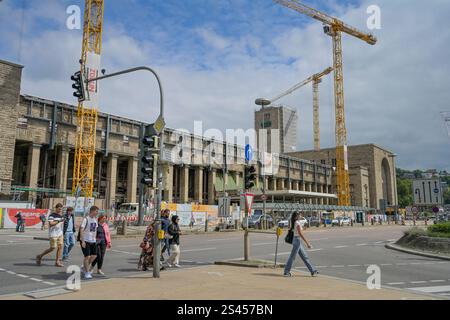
(174, 231)
(66, 222)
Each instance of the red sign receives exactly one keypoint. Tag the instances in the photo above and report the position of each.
(249, 202)
(30, 216)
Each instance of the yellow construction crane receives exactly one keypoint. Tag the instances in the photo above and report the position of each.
(334, 28)
(315, 79)
(83, 171)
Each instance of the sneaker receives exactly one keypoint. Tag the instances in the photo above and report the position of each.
(314, 273)
(177, 266)
(100, 272)
(169, 265)
(88, 275)
(287, 275)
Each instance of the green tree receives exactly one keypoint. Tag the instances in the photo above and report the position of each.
(404, 191)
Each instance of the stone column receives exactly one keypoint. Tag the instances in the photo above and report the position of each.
(238, 179)
(62, 169)
(184, 184)
(34, 154)
(132, 179)
(198, 185)
(295, 185)
(168, 183)
(211, 184)
(111, 178)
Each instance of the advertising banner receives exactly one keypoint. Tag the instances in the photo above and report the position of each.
(185, 218)
(31, 217)
(200, 218)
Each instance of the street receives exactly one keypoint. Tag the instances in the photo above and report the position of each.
(344, 253)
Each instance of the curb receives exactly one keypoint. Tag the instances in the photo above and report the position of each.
(415, 252)
(238, 263)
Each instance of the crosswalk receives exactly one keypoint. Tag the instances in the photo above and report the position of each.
(439, 290)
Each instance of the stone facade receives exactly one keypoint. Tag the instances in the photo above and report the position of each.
(370, 159)
(10, 80)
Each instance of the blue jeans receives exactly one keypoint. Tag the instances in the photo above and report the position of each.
(297, 247)
(69, 242)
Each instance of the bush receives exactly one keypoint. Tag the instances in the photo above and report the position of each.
(443, 228)
(415, 232)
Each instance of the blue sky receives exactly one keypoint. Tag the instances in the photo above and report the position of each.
(216, 56)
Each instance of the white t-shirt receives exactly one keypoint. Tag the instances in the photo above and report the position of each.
(57, 230)
(297, 224)
(89, 231)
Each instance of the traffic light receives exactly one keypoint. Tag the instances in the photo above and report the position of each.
(78, 85)
(250, 177)
(149, 161)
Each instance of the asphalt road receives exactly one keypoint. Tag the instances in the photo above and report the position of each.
(340, 252)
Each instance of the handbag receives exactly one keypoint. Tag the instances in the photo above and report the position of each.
(289, 237)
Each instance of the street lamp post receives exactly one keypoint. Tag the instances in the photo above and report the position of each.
(156, 241)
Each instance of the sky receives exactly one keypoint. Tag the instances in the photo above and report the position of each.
(216, 56)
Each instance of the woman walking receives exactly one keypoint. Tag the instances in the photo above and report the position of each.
(175, 232)
(103, 243)
(297, 247)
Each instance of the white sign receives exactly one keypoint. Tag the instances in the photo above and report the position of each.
(92, 71)
(249, 202)
(427, 192)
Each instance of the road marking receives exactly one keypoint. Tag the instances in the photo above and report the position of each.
(391, 240)
(282, 253)
(338, 247)
(354, 265)
(23, 276)
(313, 250)
(222, 239)
(378, 242)
(49, 283)
(126, 252)
(338, 266)
(395, 283)
(417, 282)
(17, 242)
(203, 249)
(37, 280)
(19, 236)
(437, 280)
(11, 272)
(386, 264)
(263, 243)
(416, 263)
(321, 266)
(402, 264)
(362, 244)
(2, 269)
(435, 289)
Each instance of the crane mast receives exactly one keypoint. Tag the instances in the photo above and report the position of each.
(84, 162)
(334, 28)
(316, 79)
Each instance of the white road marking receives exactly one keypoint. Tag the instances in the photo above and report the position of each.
(19, 236)
(11, 272)
(17, 242)
(23, 276)
(416, 263)
(354, 265)
(2, 269)
(395, 283)
(126, 252)
(37, 280)
(338, 266)
(210, 240)
(417, 282)
(378, 242)
(202, 249)
(390, 240)
(282, 253)
(386, 264)
(313, 250)
(338, 247)
(402, 264)
(321, 266)
(362, 244)
(263, 244)
(437, 280)
(435, 289)
(49, 283)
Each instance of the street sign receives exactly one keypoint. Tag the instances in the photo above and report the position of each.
(427, 192)
(157, 127)
(248, 153)
(249, 202)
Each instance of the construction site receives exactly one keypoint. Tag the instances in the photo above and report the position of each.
(53, 151)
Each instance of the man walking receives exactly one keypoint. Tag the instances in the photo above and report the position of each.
(165, 223)
(43, 218)
(69, 233)
(20, 224)
(88, 239)
(56, 235)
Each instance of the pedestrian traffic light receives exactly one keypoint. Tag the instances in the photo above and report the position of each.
(78, 85)
(250, 177)
(149, 161)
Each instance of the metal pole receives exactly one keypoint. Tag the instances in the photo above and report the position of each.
(276, 250)
(156, 242)
(141, 212)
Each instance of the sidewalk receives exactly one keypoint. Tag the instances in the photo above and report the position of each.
(225, 283)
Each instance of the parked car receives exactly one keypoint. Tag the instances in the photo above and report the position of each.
(313, 222)
(257, 221)
(283, 223)
(346, 221)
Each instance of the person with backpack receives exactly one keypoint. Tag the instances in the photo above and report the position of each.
(294, 237)
(165, 223)
(175, 232)
(56, 235)
(87, 236)
(103, 243)
(20, 227)
(69, 233)
(43, 219)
